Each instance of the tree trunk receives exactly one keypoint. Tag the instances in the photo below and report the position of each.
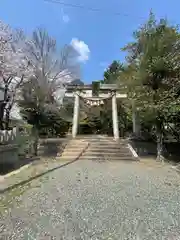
(159, 147)
(3, 105)
(35, 134)
(7, 118)
(1, 115)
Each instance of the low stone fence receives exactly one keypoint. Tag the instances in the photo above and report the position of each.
(8, 136)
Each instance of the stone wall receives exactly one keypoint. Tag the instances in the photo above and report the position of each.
(144, 148)
(9, 154)
(171, 150)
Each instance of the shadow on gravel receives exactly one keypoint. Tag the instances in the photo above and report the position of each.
(6, 168)
(42, 174)
(37, 176)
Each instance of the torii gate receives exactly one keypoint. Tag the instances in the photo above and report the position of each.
(85, 91)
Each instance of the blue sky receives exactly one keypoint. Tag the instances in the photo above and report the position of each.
(97, 35)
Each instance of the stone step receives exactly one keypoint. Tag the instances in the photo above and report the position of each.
(110, 149)
(104, 141)
(108, 154)
(72, 150)
(42, 147)
(108, 144)
(99, 152)
(65, 158)
(84, 157)
(60, 158)
(75, 147)
(93, 150)
(71, 153)
(75, 144)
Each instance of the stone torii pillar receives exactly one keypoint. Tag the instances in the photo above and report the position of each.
(74, 95)
(75, 115)
(115, 117)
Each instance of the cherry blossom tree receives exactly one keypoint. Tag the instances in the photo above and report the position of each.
(23, 59)
(14, 67)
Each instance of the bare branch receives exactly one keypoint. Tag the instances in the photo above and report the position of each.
(50, 69)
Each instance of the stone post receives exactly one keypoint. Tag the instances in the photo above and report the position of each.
(75, 115)
(115, 117)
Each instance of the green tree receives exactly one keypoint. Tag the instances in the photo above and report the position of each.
(112, 72)
(34, 105)
(154, 55)
(42, 111)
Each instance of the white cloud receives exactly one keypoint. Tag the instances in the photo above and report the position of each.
(82, 48)
(65, 17)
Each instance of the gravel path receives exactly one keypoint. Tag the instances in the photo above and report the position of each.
(95, 200)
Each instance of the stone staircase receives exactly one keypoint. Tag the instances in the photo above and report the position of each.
(73, 149)
(97, 148)
(105, 148)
